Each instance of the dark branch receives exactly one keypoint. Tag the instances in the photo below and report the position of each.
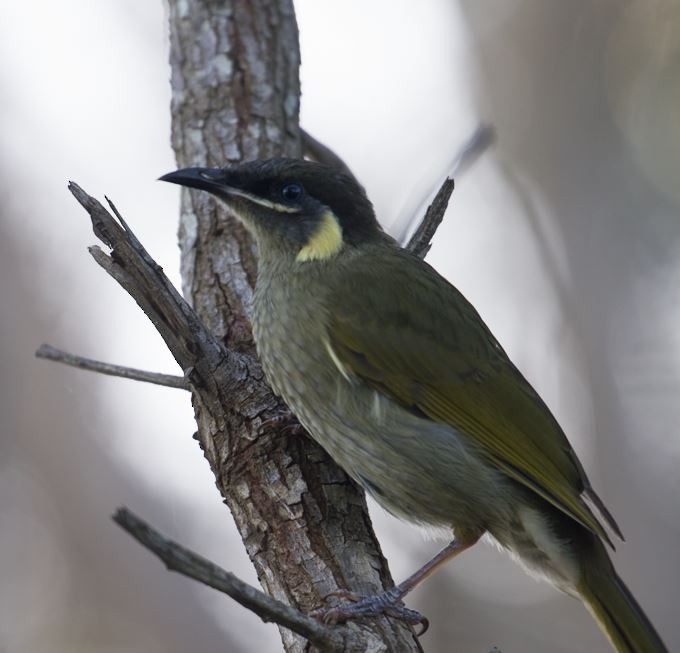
(53, 354)
(421, 240)
(186, 562)
(215, 372)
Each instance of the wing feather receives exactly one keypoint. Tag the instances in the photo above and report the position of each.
(415, 338)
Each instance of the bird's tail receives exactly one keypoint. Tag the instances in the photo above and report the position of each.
(614, 607)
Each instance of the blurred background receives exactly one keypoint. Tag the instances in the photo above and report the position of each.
(566, 237)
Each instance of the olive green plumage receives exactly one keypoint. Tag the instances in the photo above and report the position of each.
(393, 371)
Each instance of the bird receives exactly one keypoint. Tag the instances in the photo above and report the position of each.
(395, 374)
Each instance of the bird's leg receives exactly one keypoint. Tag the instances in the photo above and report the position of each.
(390, 601)
(451, 550)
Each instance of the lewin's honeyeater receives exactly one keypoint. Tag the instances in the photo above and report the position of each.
(395, 374)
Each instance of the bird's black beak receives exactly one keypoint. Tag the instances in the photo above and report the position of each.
(226, 185)
(210, 179)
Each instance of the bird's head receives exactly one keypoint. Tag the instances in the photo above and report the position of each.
(304, 210)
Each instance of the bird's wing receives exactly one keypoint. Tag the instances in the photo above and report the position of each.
(415, 338)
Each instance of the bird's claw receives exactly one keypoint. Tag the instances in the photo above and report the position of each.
(387, 603)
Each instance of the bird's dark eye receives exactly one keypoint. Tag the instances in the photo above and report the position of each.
(291, 192)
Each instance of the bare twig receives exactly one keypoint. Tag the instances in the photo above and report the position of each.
(53, 354)
(321, 153)
(214, 371)
(186, 562)
(420, 242)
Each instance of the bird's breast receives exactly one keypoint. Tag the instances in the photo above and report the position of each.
(416, 468)
(289, 326)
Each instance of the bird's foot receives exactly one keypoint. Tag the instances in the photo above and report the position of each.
(388, 603)
(284, 421)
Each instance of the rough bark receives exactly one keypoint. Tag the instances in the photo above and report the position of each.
(304, 523)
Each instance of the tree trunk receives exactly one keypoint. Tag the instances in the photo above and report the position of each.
(235, 96)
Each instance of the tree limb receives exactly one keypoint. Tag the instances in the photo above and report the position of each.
(48, 352)
(181, 560)
(304, 523)
(210, 366)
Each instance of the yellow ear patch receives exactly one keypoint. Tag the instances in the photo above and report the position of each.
(325, 242)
